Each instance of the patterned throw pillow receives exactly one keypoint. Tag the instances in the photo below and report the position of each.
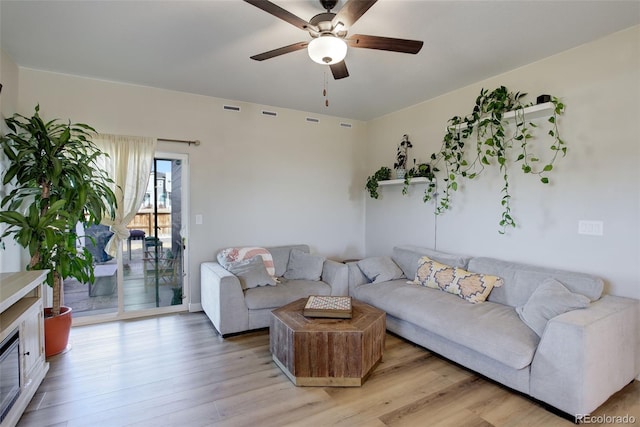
(231, 255)
(473, 287)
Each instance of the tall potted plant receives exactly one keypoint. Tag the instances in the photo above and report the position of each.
(56, 185)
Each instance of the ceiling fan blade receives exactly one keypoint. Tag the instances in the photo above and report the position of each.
(385, 43)
(339, 70)
(281, 13)
(352, 11)
(280, 51)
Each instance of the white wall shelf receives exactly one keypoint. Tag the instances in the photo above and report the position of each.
(532, 112)
(416, 180)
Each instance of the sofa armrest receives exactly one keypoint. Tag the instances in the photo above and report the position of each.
(223, 299)
(336, 275)
(585, 356)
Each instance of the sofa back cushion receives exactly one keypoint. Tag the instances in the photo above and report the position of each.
(281, 256)
(380, 269)
(520, 280)
(407, 258)
(304, 266)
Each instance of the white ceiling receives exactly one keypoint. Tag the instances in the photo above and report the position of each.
(203, 47)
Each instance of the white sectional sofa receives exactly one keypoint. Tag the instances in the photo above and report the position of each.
(579, 360)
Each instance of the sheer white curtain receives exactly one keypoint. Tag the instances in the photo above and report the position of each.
(129, 165)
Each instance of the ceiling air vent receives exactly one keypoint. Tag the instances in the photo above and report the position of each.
(269, 113)
(345, 125)
(232, 108)
(313, 120)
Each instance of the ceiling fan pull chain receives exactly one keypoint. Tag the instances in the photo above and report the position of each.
(325, 92)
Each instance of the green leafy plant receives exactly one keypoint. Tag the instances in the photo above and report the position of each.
(56, 184)
(402, 153)
(420, 170)
(382, 174)
(497, 142)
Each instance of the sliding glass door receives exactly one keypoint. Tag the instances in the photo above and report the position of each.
(154, 252)
(148, 276)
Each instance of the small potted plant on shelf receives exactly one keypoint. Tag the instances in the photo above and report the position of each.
(421, 170)
(401, 157)
(56, 184)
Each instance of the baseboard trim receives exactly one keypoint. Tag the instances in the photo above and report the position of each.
(193, 307)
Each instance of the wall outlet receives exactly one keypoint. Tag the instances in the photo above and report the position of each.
(198, 219)
(591, 228)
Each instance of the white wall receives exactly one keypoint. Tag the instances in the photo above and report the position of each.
(599, 179)
(263, 180)
(257, 180)
(12, 257)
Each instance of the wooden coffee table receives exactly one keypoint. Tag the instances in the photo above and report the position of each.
(327, 352)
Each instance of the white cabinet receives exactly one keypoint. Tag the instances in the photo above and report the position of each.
(21, 309)
(32, 343)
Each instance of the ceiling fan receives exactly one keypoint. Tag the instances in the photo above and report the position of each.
(329, 34)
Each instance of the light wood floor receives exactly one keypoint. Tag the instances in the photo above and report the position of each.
(176, 371)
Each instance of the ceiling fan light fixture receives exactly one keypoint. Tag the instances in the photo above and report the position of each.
(327, 49)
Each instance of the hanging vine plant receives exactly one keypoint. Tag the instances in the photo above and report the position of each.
(422, 170)
(382, 174)
(497, 142)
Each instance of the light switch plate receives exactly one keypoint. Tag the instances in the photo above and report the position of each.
(198, 219)
(591, 228)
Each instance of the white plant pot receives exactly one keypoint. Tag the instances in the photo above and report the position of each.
(400, 173)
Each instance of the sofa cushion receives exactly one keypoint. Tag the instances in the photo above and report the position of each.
(227, 256)
(355, 277)
(281, 256)
(251, 273)
(520, 280)
(491, 329)
(407, 258)
(304, 266)
(549, 300)
(380, 269)
(283, 293)
(472, 287)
